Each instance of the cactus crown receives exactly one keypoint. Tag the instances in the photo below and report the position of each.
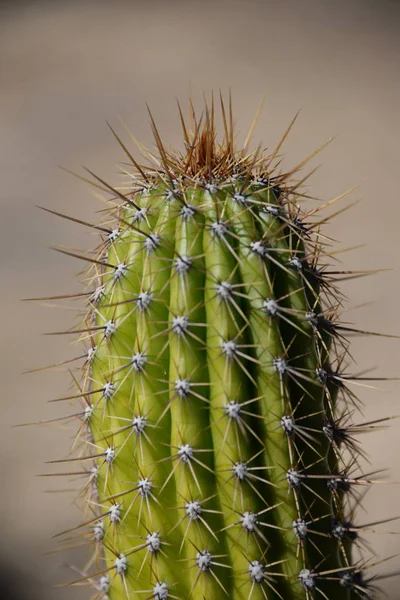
(216, 408)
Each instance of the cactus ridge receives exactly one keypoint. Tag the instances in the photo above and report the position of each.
(217, 439)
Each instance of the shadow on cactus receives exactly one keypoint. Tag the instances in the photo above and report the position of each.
(217, 439)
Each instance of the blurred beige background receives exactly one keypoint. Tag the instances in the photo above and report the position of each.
(65, 67)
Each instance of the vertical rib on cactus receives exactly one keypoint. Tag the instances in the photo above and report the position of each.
(212, 388)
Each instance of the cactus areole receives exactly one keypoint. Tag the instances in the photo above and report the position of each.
(216, 440)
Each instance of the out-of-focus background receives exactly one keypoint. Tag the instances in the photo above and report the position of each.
(66, 67)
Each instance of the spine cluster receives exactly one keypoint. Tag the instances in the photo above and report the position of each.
(217, 415)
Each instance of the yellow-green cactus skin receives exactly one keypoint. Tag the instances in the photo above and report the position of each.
(217, 435)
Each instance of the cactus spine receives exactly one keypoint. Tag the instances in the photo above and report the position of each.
(215, 405)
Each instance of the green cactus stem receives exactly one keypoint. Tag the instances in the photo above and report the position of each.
(216, 412)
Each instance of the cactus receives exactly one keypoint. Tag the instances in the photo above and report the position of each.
(217, 437)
